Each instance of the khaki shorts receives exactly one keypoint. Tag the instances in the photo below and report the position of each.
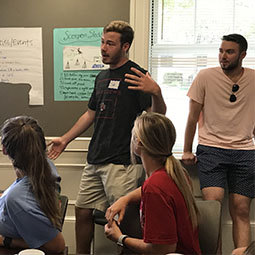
(101, 185)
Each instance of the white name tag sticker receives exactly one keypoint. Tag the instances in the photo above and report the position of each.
(114, 84)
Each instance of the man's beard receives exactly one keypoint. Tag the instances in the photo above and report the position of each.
(231, 66)
(114, 59)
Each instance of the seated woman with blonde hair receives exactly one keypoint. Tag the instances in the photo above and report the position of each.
(168, 210)
(29, 208)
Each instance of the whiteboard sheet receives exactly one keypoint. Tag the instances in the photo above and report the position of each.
(21, 60)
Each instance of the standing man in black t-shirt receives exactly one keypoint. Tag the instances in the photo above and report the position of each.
(121, 93)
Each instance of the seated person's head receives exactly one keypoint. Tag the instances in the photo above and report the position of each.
(24, 142)
(22, 137)
(156, 133)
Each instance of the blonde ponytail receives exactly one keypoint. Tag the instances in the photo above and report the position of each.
(181, 178)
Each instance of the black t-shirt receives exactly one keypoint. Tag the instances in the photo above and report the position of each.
(116, 109)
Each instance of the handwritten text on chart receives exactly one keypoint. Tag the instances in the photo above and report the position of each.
(73, 37)
(9, 68)
(13, 42)
(73, 85)
(21, 60)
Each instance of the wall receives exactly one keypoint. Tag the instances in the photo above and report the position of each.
(54, 117)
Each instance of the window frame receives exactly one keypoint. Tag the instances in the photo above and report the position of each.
(140, 11)
(140, 21)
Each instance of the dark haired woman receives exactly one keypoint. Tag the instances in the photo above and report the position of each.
(29, 208)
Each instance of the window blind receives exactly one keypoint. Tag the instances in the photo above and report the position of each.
(185, 38)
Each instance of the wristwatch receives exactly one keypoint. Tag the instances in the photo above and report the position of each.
(121, 240)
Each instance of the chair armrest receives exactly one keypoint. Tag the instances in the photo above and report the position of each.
(99, 217)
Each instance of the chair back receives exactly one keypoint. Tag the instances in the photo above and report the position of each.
(209, 226)
(63, 208)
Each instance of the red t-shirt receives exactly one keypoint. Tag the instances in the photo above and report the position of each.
(164, 215)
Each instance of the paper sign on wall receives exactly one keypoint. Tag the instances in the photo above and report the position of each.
(77, 61)
(21, 59)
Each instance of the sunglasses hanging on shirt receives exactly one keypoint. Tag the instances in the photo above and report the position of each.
(235, 88)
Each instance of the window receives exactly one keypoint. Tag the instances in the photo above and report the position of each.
(185, 37)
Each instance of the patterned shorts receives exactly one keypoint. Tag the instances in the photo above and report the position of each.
(219, 166)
